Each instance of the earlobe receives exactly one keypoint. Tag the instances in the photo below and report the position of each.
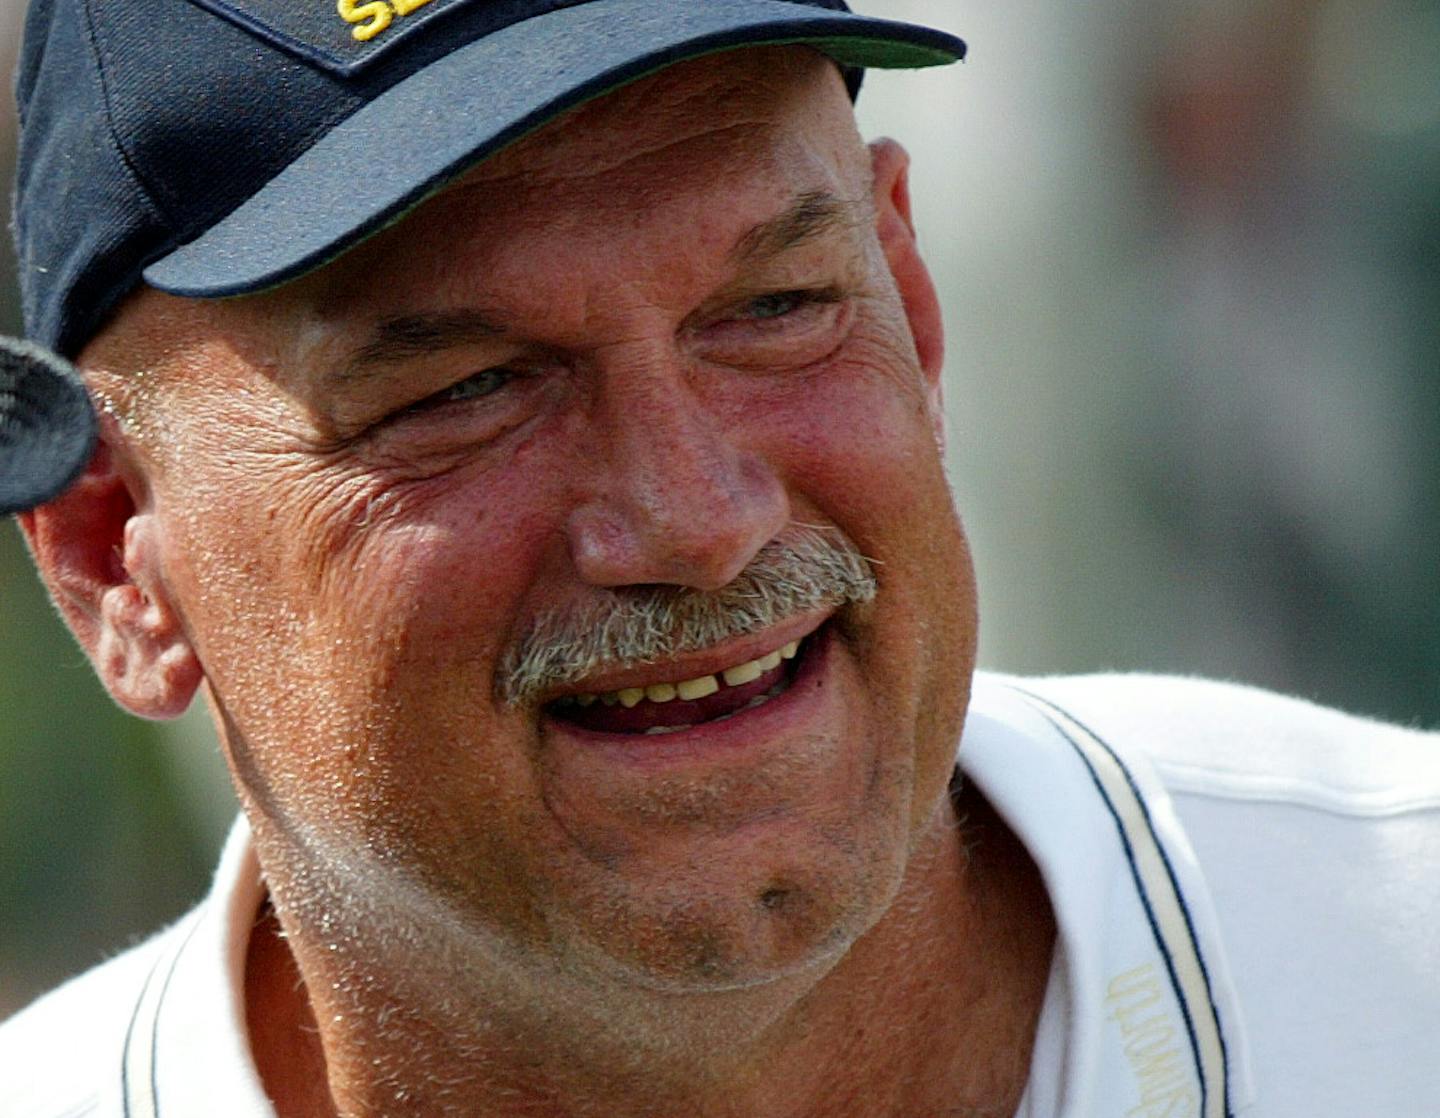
(99, 554)
(890, 169)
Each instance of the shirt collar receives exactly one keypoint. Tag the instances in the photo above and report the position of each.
(1140, 1016)
(187, 1050)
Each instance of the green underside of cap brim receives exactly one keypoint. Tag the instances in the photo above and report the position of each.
(875, 54)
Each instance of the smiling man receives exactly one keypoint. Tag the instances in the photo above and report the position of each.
(521, 423)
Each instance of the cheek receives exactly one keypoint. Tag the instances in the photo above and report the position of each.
(349, 631)
(859, 451)
(857, 439)
(328, 601)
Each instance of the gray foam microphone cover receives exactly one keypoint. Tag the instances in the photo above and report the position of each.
(47, 425)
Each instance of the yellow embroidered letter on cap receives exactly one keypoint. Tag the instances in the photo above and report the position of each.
(376, 11)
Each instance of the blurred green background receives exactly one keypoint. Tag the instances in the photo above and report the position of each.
(1190, 256)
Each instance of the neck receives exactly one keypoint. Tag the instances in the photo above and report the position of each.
(932, 1011)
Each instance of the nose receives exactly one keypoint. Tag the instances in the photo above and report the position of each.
(673, 497)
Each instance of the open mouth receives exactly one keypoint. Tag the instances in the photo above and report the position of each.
(670, 706)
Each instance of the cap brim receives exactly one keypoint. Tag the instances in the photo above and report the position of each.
(47, 426)
(408, 143)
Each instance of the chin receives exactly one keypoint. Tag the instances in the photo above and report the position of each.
(787, 906)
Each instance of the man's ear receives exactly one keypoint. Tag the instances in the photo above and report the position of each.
(890, 168)
(98, 551)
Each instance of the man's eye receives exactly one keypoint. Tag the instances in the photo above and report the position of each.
(779, 329)
(777, 304)
(474, 387)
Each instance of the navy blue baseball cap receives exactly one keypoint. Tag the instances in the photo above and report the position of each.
(221, 147)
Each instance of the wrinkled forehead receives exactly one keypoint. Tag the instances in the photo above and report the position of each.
(736, 91)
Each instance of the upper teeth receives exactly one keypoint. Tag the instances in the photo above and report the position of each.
(696, 688)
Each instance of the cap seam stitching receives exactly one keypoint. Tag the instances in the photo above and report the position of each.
(148, 192)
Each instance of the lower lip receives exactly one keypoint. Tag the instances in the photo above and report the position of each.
(787, 713)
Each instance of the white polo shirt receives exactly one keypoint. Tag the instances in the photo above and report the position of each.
(1247, 891)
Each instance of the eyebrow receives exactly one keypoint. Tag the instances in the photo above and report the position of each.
(402, 337)
(812, 215)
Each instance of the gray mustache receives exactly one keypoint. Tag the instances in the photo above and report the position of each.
(801, 570)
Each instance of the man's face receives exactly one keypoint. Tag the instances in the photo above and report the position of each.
(595, 378)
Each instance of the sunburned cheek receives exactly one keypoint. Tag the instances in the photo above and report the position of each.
(374, 537)
(862, 427)
(334, 548)
(403, 576)
(392, 571)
